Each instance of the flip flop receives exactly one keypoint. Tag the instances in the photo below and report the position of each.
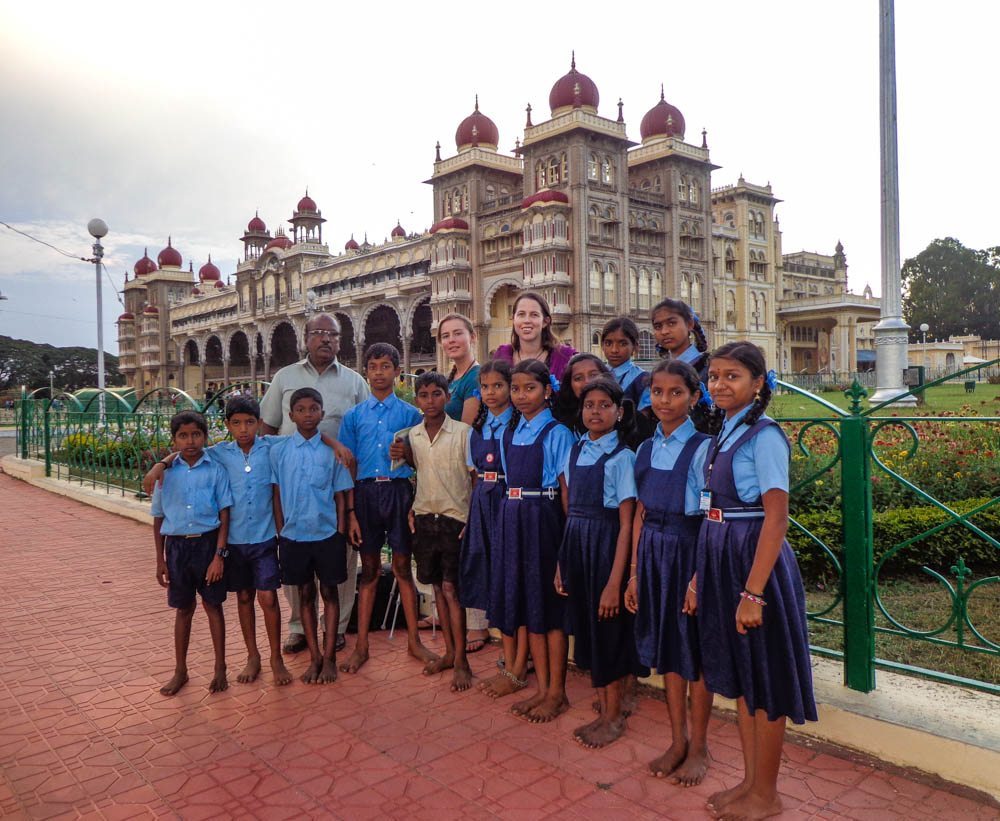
(426, 623)
(475, 645)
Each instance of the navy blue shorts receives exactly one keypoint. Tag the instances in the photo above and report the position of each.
(436, 548)
(381, 509)
(253, 566)
(303, 561)
(187, 564)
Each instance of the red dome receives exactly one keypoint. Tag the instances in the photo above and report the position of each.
(169, 256)
(574, 90)
(220, 284)
(196, 291)
(477, 129)
(128, 316)
(662, 120)
(280, 241)
(152, 310)
(545, 195)
(351, 244)
(209, 271)
(256, 225)
(306, 204)
(144, 265)
(450, 224)
(398, 231)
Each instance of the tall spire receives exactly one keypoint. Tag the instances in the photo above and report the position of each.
(437, 157)
(572, 60)
(477, 102)
(662, 98)
(528, 111)
(621, 118)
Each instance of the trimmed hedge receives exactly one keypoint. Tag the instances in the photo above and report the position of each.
(939, 551)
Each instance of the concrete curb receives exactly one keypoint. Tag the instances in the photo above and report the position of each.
(939, 729)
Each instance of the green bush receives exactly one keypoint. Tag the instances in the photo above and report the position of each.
(891, 527)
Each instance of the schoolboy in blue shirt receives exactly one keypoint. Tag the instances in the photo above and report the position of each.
(382, 497)
(310, 500)
(190, 524)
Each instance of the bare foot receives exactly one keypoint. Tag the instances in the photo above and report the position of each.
(629, 703)
(461, 679)
(717, 802)
(692, 771)
(630, 698)
(438, 665)
(311, 675)
(585, 727)
(219, 681)
(328, 672)
(251, 671)
(669, 761)
(171, 687)
(502, 685)
(355, 661)
(281, 674)
(548, 709)
(601, 733)
(522, 708)
(751, 808)
(421, 653)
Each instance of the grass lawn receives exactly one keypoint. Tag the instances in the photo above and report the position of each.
(941, 399)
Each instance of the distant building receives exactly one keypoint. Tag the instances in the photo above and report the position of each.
(597, 223)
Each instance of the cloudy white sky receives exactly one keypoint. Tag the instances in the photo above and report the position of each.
(183, 118)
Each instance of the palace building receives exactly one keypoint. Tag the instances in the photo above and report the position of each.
(599, 224)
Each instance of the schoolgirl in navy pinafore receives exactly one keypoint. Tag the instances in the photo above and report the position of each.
(666, 638)
(769, 665)
(481, 530)
(522, 591)
(606, 647)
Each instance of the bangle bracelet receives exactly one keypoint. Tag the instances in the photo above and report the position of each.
(750, 597)
(631, 579)
(692, 589)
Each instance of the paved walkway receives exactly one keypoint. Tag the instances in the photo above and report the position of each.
(85, 641)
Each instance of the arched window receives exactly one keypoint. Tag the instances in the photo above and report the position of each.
(762, 308)
(656, 288)
(456, 202)
(553, 174)
(633, 287)
(595, 343)
(730, 310)
(656, 183)
(491, 192)
(594, 221)
(645, 185)
(696, 293)
(694, 192)
(610, 286)
(592, 167)
(682, 189)
(607, 172)
(465, 198)
(539, 175)
(729, 219)
(563, 167)
(647, 346)
(685, 288)
(595, 284)
(755, 312)
(504, 191)
(730, 260)
(643, 289)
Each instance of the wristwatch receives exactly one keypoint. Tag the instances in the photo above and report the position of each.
(222, 552)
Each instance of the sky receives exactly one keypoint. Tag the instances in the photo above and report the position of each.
(184, 119)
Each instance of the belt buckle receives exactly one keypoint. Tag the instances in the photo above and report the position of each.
(714, 514)
(383, 478)
(514, 493)
(490, 476)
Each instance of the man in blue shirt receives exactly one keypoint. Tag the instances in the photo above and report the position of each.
(381, 498)
(190, 524)
(310, 501)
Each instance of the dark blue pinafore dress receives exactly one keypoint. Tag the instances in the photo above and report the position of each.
(606, 647)
(666, 638)
(475, 563)
(768, 666)
(522, 591)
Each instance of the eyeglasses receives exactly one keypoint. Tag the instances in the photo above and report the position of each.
(324, 334)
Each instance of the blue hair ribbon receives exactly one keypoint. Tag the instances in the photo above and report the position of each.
(694, 315)
(772, 379)
(706, 397)
(554, 382)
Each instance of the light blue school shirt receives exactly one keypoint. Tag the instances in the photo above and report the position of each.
(308, 475)
(762, 463)
(663, 456)
(690, 355)
(627, 373)
(368, 430)
(619, 470)
(493, 428)
(555, 449)
(189, 497)
(251, 520)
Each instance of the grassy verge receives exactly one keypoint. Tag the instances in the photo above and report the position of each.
(922, 604)
(941, 399)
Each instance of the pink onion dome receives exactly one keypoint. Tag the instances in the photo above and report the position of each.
(574, 90)
(256, 225)
(450, 224)
(545, 195)
(280, 241)
(398, 231)
(151, 310)
(145, 265)
(477, 129)
(169, 257)
(220, 285)
(196, 291)
(351, 244)
(662, 120)
(306, 204)
(209, 272)
(128, 316)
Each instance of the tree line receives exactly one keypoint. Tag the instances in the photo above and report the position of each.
(29, 363)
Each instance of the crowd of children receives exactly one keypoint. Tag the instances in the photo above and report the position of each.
(642, 514)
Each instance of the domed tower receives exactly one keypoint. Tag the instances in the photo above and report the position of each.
(477, 131)
(661, 121)
(145, 265)
(573, 90)
(398, 233)
(307, 222)
(209, 273)
(255, 239)
(170, 257)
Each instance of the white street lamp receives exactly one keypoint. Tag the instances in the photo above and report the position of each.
(924, 328)
(99, 228)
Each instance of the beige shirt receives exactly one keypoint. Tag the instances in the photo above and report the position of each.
(340, 387)
(444, 485)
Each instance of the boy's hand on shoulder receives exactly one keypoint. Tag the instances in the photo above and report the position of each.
(214, 570)
(341, 452)
(155, 473)
(162, 574)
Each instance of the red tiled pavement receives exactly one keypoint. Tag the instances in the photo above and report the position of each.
(85, 641)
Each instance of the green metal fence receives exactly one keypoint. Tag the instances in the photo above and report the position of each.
(878, 494)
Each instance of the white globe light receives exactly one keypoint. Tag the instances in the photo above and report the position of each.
(98, 228)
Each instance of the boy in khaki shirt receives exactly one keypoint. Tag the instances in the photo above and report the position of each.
(440, 510)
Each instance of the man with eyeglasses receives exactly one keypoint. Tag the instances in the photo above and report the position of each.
(341, 389)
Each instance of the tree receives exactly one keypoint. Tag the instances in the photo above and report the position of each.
(954, 289)
(29, 363)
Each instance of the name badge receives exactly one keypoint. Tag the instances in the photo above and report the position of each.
(705, 501)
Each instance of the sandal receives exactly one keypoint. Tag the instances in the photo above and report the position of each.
(427, 623)
(475, 645)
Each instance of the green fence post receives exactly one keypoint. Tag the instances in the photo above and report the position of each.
(24, 425)
(859, 608)
(47, 440)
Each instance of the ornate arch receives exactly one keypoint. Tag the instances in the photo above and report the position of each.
(269, 333)
(368, 309)
(497, 285)
(406, 321)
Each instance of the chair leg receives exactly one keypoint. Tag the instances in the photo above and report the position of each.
(388, 606)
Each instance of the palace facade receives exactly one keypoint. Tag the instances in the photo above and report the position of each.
(597, 223)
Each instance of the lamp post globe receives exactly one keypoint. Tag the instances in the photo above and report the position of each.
(98, 228)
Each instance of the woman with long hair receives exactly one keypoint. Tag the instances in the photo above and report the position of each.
(532, 337)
